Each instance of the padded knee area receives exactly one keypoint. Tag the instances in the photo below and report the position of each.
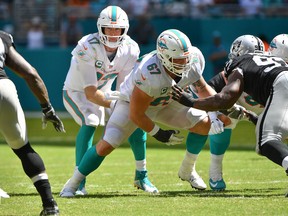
(275, 150)
(31, 162)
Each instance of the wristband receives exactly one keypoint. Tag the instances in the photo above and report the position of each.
(154, 130)
(45, 105)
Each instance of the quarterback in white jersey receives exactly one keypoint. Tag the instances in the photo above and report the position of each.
(91, 66)
(96, 61)
(147, 89)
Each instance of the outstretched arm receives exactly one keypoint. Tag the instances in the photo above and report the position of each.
(20, 66)
(220, 101)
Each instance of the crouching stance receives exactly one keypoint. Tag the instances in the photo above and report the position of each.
(147, 89)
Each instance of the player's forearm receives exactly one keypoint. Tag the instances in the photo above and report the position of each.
(214, 103)
(38, 88)
(142, 121)
(96, 96)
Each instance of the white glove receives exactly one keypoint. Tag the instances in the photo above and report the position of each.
(217, 125)
(236, 112)
(115, 95)
(175, 140)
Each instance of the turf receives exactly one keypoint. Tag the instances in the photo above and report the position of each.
(255, 186)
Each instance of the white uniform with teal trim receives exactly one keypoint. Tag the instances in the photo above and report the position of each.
(151, 78)
(90, 66)
(246, 101)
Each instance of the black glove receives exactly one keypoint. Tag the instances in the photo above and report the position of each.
(50, 115)
(167, 137)
(184, 98)
(253, 117)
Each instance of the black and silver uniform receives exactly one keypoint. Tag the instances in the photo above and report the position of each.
(6, 41)
(259, 72)
(217, 82)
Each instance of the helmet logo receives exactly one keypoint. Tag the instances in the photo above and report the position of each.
(273, 45)
(162, 44)
(236, 46)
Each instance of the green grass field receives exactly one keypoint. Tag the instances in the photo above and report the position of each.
(255, 186)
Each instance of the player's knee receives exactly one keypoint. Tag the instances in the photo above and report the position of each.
(201, 127)
(31, 161)
(103, 148)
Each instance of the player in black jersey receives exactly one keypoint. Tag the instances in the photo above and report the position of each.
(219, 143)
(265, 79)
(12, 119)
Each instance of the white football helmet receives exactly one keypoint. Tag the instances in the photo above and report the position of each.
(246, 44)
(112, 17)
(279, 46)
(173, 44)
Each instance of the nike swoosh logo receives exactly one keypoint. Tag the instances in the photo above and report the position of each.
(214, 184)
(144, 78)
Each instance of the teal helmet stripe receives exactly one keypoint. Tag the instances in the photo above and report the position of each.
(113, 14)
(184, 44)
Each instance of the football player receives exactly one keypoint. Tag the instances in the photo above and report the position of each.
(12, 119)
(220, 142)
(265, 79)
(147, 91)
(96, 61)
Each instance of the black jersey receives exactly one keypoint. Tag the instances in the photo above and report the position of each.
(6, 40)
(259, 72)
(217, 82)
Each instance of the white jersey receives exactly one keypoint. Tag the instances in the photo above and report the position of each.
(246, 101)
(151, 78)
(91, 66)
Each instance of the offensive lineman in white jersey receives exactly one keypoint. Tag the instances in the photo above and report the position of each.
(147, 90)
(96, 61)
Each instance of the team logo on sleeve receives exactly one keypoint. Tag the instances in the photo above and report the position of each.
(81, 53)
(138, 82)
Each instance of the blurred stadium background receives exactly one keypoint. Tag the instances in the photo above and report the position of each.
(198, 19)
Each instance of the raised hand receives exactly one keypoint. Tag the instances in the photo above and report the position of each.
(183, 97)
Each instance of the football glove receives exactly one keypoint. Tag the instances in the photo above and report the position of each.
(235, 112)
(217, 125)
(115, 95)
(49, 115)
(253, 117)
(168, 137)
(183, 97)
